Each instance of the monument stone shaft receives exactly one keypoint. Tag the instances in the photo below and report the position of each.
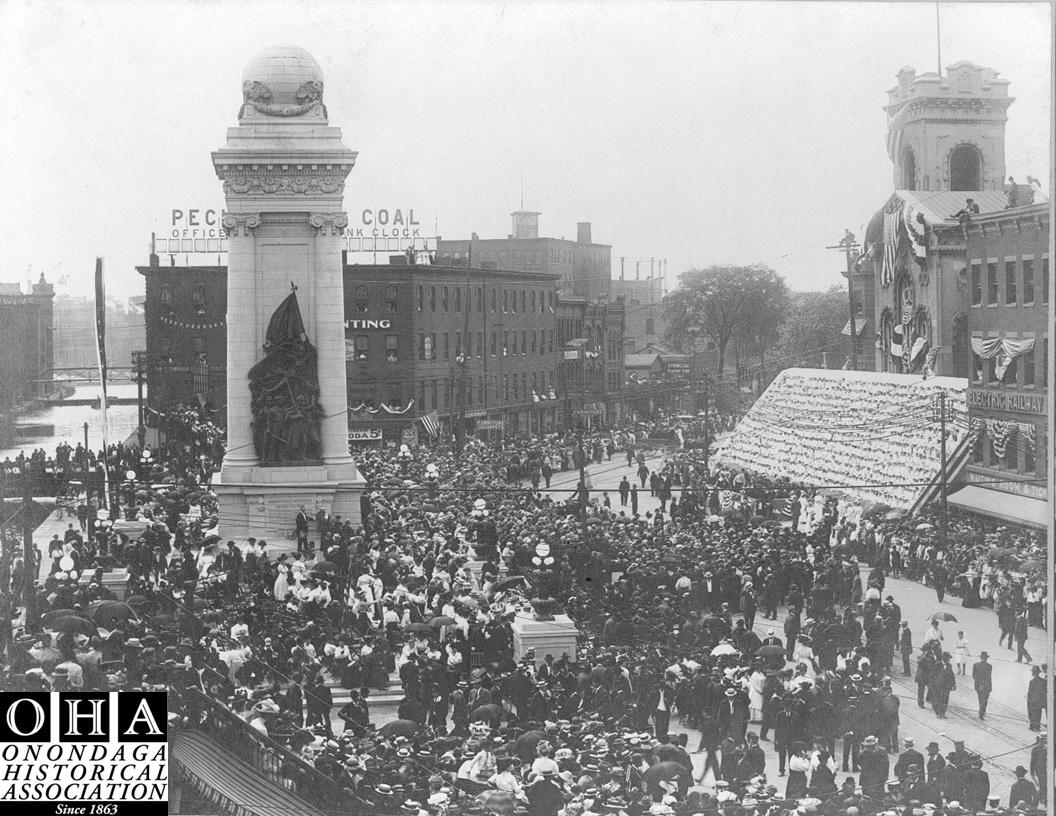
(283, 170)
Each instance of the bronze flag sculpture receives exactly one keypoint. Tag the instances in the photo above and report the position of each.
(285, 391)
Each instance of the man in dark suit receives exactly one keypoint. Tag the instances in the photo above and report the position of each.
(300, 524)
(710, 740)
(1023, 790)
(908, 758)
(905, 648)
(1036, 699)
(787, 725)
(982, 677)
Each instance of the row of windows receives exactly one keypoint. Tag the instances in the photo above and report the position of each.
(165, 343)
(1020, 457)
(519, 257)
(1015, 277)
(361, 300)
(360, 349)
(512, 300)
(1025, 371)
(197, 299)
(535, 342)
(443, 394)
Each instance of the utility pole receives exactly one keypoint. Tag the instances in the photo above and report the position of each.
(87, 489)
(28, 554)
(942, 465)
(707, 430)
(582, 483)
(139, 359)
(848, 246)
(621, 267)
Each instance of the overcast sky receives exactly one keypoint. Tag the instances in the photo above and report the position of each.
(698, 132)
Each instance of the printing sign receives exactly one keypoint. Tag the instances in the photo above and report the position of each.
(84, 753)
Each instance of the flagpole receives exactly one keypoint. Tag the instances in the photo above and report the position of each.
(100, 353)
(938, 37)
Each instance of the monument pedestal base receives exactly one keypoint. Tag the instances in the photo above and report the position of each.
(555, 637)
(263, 501)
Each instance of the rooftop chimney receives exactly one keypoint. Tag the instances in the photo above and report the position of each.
(583, 233)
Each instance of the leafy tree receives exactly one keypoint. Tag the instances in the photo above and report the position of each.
(766, 311)
(814, 325)
(723, 302)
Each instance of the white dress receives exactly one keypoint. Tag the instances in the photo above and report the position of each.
(281, 585)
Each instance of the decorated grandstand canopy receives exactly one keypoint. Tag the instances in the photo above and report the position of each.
(870, 437)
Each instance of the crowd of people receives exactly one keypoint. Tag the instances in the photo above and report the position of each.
(676, 612)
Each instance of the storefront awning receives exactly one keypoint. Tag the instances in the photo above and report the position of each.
(1005, 506)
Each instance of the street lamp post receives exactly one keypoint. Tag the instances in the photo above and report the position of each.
(139, 366)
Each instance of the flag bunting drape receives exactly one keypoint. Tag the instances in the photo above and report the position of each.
(388, 409)
(987, 347)
(891, 244)
(918, 240)
(1000, 433)
(1030, 437)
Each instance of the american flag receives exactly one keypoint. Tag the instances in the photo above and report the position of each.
(431, 421)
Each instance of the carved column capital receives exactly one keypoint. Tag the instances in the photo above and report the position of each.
(240, 223)
(334, 222)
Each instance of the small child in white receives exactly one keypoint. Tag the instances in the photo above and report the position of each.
(961, 653)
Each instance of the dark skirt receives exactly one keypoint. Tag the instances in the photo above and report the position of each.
(796, 788)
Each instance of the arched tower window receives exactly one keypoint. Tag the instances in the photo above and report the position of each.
(966, 168)
(909, 169)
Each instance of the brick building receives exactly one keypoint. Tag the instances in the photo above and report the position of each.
(418, 338)
(590, 366)
(185, 311)
(946, 142)
(582, 266)
(1009, 284)
(26, 351)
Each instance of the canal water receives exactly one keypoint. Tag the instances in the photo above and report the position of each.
(68, 422)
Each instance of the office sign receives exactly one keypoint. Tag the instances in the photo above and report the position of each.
(1016, 401)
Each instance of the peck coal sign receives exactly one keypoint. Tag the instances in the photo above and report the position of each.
(190, 230)
(84, 753)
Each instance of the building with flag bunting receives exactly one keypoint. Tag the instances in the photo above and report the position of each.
(1009, 283)
(421, 341)
(946, 142)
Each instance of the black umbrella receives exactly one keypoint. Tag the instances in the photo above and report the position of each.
(418, 627)
(525, 745)
(663, 771)
(72, 624)
(399, 728)
(107, 612)
(55, 614)
(769, 651)
(489, 712)
(505, 583)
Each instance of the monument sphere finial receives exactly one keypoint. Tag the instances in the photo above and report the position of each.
(283, 80)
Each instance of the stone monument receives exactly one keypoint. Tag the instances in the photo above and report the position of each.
(283, 170)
